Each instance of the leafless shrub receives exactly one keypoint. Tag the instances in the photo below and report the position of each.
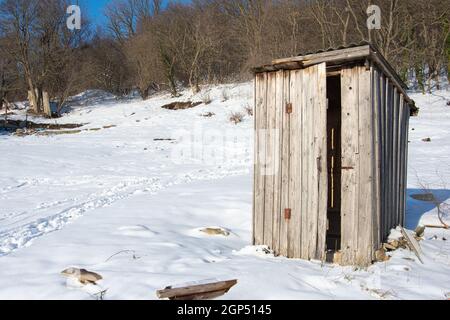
(151, 47)
(248, 110)
(208, 114)
(237, 117)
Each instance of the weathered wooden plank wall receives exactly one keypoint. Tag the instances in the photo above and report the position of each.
(366, 207)
(361, 164)
(377, 149)
(290, 172)
(402, 135)
(296, 173)
(390, 141)
(285, 227)
(295, 164)
(260, 154)
(310, 142)
(384, 159)
(405, 161)
(393, 134)
(350, 165)
(291, 162)
(277, 124)
(396, 202)
(270, 158)
(321, 153)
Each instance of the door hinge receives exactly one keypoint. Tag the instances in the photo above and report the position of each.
(289, 108)
(287, 214)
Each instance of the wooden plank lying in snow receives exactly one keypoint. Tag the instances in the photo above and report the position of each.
(197, 292)
(413, 244)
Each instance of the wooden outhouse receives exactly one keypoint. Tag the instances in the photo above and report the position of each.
(331, 154)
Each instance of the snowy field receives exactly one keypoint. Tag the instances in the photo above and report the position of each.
(127, 198)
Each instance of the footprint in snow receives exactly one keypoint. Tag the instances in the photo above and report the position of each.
(136, 231)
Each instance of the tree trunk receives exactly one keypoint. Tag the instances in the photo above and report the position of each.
(172, 85)
(193, 84)
(46, 104)
(33, 101)
(420, 78)
(144, 93)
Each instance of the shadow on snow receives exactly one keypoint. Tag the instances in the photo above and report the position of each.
(415, 209)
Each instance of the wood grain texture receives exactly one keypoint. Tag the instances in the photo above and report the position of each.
(291, 161)
(321, 152)
(384, 180)
(350, 160)
(365, 193)
(377, 147)
(197, 292)
(403, 161)
(271, 160)
(402, 106)
(390, 157)
(405, 178)
(395, 139)
(295, 164)
(311, 166)
(277, 133)
(304, 173)
(285, 173)
(260, 155)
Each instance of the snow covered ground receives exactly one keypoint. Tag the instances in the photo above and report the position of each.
(122, 200)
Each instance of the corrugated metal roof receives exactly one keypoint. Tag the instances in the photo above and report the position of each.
(341, 47)
(355, 52)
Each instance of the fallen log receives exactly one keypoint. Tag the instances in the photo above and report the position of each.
(181, 105)
(197, 292)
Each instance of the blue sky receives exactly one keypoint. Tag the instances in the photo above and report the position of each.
(95, 9)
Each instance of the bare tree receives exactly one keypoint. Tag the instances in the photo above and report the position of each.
(145, 64)
(17, 23)
(10, 82)
(151, 47)
(125, 16)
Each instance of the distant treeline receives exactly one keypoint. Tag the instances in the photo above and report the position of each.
(149, 48)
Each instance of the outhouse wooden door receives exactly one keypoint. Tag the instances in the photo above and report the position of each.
(291, 187)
